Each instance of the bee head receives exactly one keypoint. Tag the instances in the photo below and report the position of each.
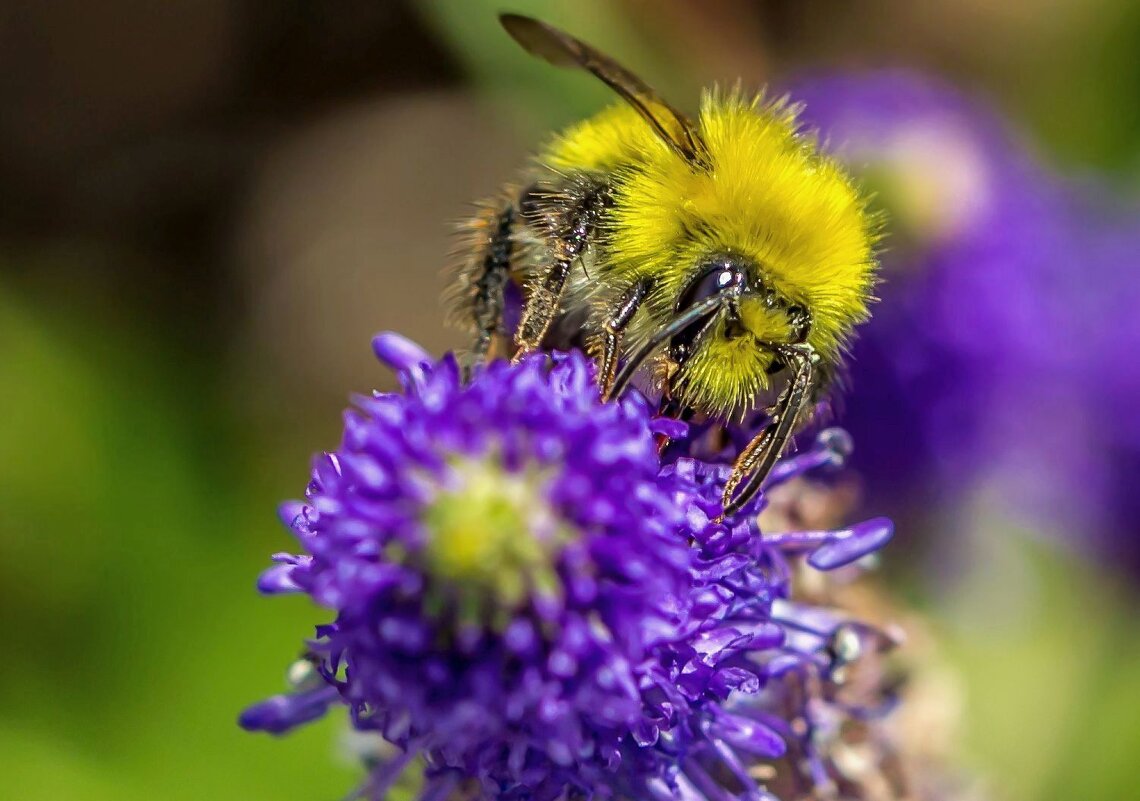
(752, 308)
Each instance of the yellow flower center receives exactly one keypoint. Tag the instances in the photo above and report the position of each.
(491, 538)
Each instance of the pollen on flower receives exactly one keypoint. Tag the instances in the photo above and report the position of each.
(491, 535)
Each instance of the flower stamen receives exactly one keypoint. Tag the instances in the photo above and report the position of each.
(491, 536)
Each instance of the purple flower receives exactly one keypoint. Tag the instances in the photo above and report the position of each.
(794, 687)
(978, 364)
(501, 557)
(528, 599)
(1106, 392)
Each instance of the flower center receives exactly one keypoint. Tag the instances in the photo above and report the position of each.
(492, 538)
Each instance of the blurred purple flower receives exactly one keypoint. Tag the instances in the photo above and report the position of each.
(1108, 389)
(1007, 323)
(976, 247)
(529, 600)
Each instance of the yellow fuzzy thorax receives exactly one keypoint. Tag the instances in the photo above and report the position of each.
(767, 195)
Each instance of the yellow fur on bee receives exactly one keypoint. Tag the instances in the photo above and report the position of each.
(767, 194)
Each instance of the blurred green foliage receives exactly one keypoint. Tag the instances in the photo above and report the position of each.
(1049, 654)
(130, 544)
(542, 98)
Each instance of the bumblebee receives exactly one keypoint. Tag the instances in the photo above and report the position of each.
(726, 250)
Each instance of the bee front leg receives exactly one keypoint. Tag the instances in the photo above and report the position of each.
(614, 328)
(761, 454)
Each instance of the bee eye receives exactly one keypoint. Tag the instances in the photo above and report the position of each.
(712, 282)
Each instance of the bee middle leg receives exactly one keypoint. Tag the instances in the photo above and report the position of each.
(569, 238)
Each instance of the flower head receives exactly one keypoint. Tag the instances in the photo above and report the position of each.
(529, 599)
(501, 556)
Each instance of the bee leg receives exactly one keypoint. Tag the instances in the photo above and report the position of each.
(481, 272)
(760, 455)
(541, 308)
(491, 284)
(614, 328)
(570, 240)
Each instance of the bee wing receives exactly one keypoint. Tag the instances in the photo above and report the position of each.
(563, 50)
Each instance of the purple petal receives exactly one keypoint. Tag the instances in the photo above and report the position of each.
(749, 735)
(831, 449)
(278, 580)
(289, 511)
(673, 429)
(281, 713)
(853, 543)
(398, 352)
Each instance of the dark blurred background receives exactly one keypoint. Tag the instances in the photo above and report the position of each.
(207, 207)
